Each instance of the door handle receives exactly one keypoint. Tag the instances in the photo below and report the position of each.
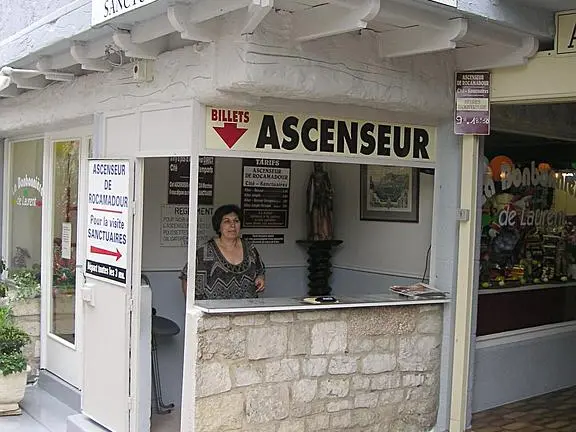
(87, 292)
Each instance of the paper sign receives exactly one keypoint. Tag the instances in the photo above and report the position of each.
(472, 111)
(66, 240)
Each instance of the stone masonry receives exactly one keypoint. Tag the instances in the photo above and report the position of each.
(365, 369)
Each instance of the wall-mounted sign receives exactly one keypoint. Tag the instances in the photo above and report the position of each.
(264, 238)
(566, 32)
(265, 193)
(472, 110)
(174, 225)
(105, 10)
(255, 131)
(179, 180)
(108, 212)
(28, 192)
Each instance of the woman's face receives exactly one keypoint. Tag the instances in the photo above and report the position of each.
(230, 226)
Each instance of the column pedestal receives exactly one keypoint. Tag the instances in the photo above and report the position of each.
(319, 265)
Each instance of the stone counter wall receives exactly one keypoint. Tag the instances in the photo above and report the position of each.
(366, 369)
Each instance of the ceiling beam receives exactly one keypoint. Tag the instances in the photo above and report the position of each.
(256, 12)
(332, 19)
(180, 18)
(496, 56)
(88, 60)
(147, 50)
(11, 91)
(420, 39)
(201, 11)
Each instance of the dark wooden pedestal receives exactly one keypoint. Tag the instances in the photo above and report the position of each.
(319, 265)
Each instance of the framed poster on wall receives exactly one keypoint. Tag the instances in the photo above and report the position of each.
(389, 193)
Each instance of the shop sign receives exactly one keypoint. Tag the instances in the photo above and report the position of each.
(265, 193)
(566, 32)
(28, 192)
(264, 238)
(108, 212)
(256, 131)
(472, 110)
(104, 10)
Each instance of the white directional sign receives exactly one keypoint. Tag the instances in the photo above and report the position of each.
(108, 212)
(105, 10)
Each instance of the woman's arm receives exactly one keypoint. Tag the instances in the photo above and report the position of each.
(260, 280)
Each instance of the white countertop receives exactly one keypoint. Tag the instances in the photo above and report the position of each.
(289, 304)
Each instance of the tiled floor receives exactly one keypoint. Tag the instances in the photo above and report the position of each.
(551, 412)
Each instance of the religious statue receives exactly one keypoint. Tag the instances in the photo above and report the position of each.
(319, 195)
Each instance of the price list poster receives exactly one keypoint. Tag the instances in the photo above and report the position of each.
(472, 110)
(265, 193)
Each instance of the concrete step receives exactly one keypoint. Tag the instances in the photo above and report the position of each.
(81, 423)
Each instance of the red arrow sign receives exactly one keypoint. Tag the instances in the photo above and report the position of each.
(230, 133)
(97, 250)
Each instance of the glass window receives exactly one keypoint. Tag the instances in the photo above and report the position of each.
(65, 224)
(24, 238)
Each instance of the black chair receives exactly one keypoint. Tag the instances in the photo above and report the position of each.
(161, 327)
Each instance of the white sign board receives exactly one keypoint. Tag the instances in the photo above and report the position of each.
(108, 213)
(174, 225)
(566, 32)
(105, 10)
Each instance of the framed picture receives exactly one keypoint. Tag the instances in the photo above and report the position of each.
(389, 193)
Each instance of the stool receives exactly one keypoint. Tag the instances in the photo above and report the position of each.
(160, 327)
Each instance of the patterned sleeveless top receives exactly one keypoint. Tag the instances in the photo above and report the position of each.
(216, 278)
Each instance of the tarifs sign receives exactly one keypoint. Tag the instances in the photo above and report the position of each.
(256, 131)
(104, 10)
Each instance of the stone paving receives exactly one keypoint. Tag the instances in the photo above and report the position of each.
(551, 412)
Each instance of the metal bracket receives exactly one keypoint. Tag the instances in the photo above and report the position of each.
(463, 215)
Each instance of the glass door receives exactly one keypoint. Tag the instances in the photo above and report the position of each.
(64, 161)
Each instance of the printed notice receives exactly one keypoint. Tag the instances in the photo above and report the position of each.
(108, 210)
(264, 238)
(265, 193)
(66, 240)
(179, 180)
(175, 222)
(472, 104)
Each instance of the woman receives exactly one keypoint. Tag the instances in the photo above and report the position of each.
(227, 267)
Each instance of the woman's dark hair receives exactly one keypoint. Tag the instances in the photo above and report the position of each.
(223, 211)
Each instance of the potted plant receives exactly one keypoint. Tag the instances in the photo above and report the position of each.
(13, 364)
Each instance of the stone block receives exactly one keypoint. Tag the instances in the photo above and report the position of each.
(245, 375)
(382, 321)
(413, 380)
(303, 409)
(385, 343)
(292, 425)
(419, 353)
(267, 403)
(30, 324)
(211, 379)
(222, 412)
(339, 405)
(366, 400)
(318, 422)
(267, 342)
(342, 365)
(299, 342)
(378, 363)
(229, 344)
(363, 417)
(429, 323)
(213, 322)
(314, 367)
(390, 397)
(360, 382)
(26, 307)
(329, 337)
(281, 317)
(360, 345)
(334, 387)
(341, 420)
(304, 390)
(324, 315)
(386, 381)
(282, 370)
(249, 320)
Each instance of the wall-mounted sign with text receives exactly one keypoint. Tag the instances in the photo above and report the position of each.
(108, 215)
(472, 110)
(566, 32)
(105, 10)
(264, 238)
(256, 131)
(28, 192)
(265, 193)
(179, 180)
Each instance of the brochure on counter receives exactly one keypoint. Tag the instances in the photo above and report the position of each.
(418, 291)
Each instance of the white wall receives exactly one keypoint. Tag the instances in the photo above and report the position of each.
(394, 248)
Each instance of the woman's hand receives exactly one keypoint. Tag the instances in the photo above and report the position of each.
(259, 282)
